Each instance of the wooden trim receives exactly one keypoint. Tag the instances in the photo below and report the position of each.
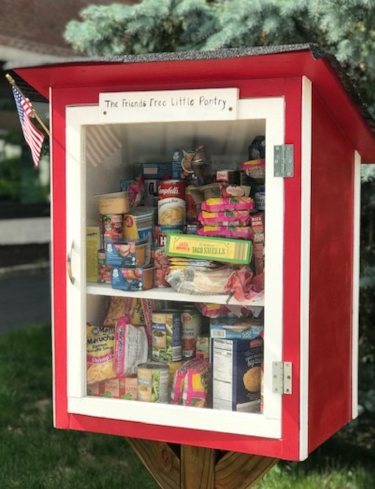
(160, 460)
(197, 467)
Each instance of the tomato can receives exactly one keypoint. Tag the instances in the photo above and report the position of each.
(191, 329)
(153, 382)
(171, 204)
(166, 336)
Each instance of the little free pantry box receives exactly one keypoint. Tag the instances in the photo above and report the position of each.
(317, 135)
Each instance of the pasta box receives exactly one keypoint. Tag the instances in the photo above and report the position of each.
(236, 372)
(118, 388)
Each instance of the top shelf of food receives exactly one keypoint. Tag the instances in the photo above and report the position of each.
(181, 231)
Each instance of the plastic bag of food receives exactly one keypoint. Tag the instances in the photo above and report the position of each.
(211, 310)
(239, 232)
(200, 281)
(100, 342)
(179, 380)
(229, 204)
(116, 310)
(131, 347)
(226, 218)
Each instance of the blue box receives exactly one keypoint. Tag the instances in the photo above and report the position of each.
(236, 374)
(156, 170)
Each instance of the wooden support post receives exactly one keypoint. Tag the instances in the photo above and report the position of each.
(200, 468)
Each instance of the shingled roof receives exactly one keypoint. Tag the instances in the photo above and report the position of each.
(37, 25)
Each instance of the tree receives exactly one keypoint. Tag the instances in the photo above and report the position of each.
(346, 29)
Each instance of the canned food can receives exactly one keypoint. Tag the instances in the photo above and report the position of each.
(152, 382)
(166, 336)
(161, 233)
(104, 270)
(171, 204)
(111, 226)
(191, 329)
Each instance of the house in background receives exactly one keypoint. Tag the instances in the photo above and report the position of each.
(30, 31)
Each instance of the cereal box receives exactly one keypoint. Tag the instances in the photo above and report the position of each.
(237, 374)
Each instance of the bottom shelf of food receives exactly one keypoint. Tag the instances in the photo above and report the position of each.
(187, 355)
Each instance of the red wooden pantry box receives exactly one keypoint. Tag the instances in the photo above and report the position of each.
(109, 118)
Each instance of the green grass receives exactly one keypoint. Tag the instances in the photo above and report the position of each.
(34, 455)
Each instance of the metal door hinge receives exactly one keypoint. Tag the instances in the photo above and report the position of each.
(283, 160)
(282, 377)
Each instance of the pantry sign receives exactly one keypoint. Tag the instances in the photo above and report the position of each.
(171, 105)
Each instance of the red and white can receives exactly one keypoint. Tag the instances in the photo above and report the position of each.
(191, 329)
(171, 205)
(111, 227)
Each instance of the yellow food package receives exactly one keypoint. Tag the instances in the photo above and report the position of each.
(196, 385)
(100, 343)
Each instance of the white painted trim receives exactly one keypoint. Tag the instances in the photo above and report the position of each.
(249, 424)
(272, 110)
(356, 259)
(52, 258)
(306, 135)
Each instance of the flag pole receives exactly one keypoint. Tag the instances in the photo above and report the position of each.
(13, 83)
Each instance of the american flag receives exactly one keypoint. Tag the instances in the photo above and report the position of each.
(33, 136)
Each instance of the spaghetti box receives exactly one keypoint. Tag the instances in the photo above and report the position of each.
(156, 170)
(232, 330)
(236, 372)
(209, 248)
(118, 388)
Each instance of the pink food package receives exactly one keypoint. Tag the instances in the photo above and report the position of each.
(179, 380)
(241, 232)
(228, 204)
(227, 218)
(196, 385)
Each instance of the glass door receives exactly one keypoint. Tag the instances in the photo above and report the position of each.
(130, 333)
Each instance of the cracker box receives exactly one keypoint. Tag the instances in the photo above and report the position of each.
(236, 374)
(209, 248)
(118, 388)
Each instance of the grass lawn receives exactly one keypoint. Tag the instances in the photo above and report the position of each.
(34, 455)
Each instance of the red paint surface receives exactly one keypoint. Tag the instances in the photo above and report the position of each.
(332, 161)
(127, 76)
(288, 446)
(331, 273)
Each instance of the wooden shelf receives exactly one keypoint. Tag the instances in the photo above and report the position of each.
(169, 294)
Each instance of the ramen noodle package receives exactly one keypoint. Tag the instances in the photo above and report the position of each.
(227, 218)
(211, 310)
(115, 311)
(239, 232)
(196, 385)
(236, 372)
(228, 204)
(131, 347)
(100, 342)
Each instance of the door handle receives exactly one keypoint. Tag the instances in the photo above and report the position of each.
(69, 264)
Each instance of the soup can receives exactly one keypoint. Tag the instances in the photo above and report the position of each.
(171, 204)
(153, 382)
(161, 234)
(166, 336)
(191, 329)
